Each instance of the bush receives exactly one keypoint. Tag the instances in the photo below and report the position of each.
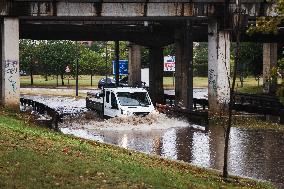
(280, 94)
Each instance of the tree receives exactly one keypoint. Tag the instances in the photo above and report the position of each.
(55, 56)
(145, 57)
(91, 62)
(29, 57)
(250, 60)
(270, 24)
(236, 31)
(200, 59)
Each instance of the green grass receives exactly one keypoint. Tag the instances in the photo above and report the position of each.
(248, 122)
(84, 81)
(256, 123)
(39, 81)
(199, 82)
(34, 157)
(250, 84)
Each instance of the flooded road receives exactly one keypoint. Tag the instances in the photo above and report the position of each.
(253, 153)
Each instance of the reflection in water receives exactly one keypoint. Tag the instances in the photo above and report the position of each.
(256, 154)
(169, 144)
(200, 149)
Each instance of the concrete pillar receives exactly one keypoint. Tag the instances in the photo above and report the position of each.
(156, 70)
(184, 67)
(269, 61)
(10, 80)
(218, 69)
(134, 65)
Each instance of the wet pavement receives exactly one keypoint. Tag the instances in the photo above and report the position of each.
(257, 154)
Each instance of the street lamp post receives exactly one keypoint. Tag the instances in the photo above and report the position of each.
(106, 57)
(77, 67)
(116, 63)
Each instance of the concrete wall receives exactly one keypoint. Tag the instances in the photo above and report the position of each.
(269, 62)
(156, 69)
(134, 65)
(132, 8)
(218, 69)
(184, 67)
(10, 88)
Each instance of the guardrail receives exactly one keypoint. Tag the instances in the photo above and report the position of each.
(251, 103)
(44, 109)
(261, 104)
(169, 99)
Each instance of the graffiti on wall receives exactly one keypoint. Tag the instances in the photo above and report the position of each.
(11, 68)
(212, 80)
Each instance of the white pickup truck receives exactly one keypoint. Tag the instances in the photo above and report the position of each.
(120, 101)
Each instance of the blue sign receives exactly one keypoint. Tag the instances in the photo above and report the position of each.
(123, 67)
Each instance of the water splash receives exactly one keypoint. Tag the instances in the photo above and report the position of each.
(149, 122)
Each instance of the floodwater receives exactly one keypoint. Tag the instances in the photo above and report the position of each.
(253, 153)
(257, 154)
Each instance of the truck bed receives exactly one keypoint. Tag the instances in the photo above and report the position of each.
(94, 104)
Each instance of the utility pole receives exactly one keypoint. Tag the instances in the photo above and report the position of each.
(106, 62)
(77, 67)
(116, 63)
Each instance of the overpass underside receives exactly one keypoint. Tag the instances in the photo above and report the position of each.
(151, 23)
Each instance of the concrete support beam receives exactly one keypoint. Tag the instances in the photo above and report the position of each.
(218, 69)
(134, 65)
(156, 70)
(269, 61)
(184, 67)
(10, 80)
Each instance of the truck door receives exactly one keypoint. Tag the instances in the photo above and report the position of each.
(111, 107)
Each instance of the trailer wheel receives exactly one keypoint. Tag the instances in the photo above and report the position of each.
(87, 104)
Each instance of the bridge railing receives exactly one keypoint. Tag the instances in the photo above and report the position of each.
(251, 103)
(197, 103)
(41, 108)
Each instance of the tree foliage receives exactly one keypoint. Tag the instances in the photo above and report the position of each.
(200, 59)
(250, 60)
(28, 54)
(269, 24)
(52, 57)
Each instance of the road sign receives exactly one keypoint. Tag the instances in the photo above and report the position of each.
(123, 67)
(169, 63)
(67, 69)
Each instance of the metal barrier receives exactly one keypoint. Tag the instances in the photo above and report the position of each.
(251, 103)
(261, 104)
(169, 99)
(42, 109)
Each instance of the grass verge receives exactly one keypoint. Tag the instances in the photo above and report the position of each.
(248, 122)
(34, 157)
(256, 123)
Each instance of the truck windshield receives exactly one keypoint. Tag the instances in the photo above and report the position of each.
(133, 99)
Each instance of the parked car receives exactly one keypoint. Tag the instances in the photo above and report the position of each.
(123, 82)
(106, 82)
(111, 82)
(23, 73)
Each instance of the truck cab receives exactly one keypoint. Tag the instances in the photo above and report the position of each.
(120, 101)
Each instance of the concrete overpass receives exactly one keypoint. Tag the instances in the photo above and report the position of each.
(151, 23)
